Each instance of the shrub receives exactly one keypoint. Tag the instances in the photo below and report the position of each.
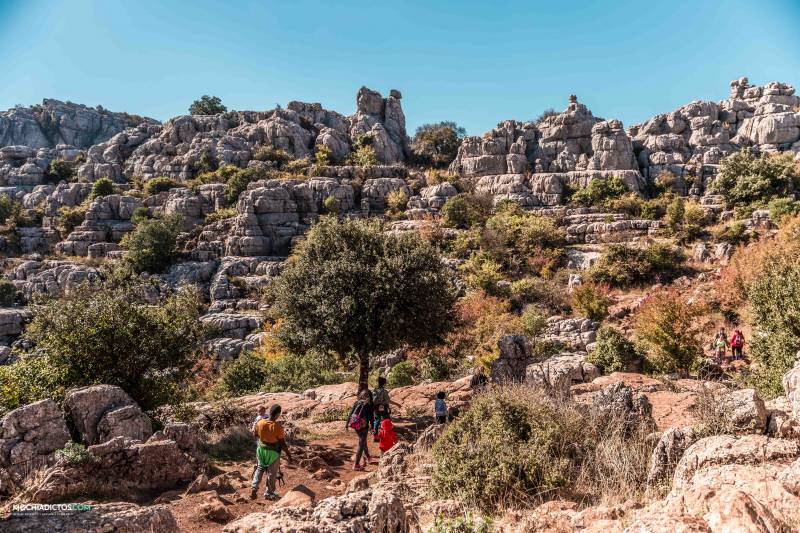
(152, 245)
(110, 334)
(780, 208)
(401, 375)
(159, 184)
(684, 217)
(543, 292)
(745, 178)
(437, 144)
(245, 374)
(28, 380)
(733, 233)
(466, 210)
(221, 214)
(592, 300)
(69, 218)
(539, 448)
(547, 113)
(295, 373)
(468, 523)
(613, 352)
(140, 214)
(402, 295)
(674, 216)
(396, 201)
(330, 205)
(622, 266)
(74, 454)
(238, 179)
(599, 191)
(8, 293)
(532, 322)
(667, 327)
(101, 187)
(434, 367)
(364, 154)
(6, 207)
(270, 153)
(207, 105)
(323, 156)
(484, 273)
(60, 170)
(775, 305)
(482, 321)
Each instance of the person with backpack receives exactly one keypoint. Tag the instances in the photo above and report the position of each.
(440, 408)
(720, 344)
(737, 344)
(360, 420)
(382, 403)
(387, 437)
(271, 444)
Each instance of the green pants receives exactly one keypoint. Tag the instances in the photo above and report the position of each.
(266, 457)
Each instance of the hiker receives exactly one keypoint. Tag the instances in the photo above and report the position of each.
(440, 408)
(479, 379)
(360, 420)
(382, 403)
(271, 444)
(737, 344)
(387, 437)
(720, 344)
(262, 414)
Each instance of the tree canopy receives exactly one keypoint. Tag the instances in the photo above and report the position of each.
(352, 289)
(437, 144)
(207, 105)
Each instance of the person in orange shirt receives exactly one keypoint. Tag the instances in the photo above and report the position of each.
(271, 444)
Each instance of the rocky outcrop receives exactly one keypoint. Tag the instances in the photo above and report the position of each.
(23, 167)
(107, 221)
(117, 517)
(362, 511)
(430, 200)
(558, 374)
(107, 159)
(54, 122)
(383, 121)
(52, 278)
(33, 431)
(102, 412)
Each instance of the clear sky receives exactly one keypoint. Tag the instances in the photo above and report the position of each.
(474, 62)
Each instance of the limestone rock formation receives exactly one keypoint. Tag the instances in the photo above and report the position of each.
(106, 222)
(34, 430)
(117, 517)
(102, 412)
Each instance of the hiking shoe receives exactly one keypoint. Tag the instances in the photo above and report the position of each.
(253, 494)
(358, 468)
(272, 496)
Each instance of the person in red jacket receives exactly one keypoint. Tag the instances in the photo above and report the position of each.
(386, 436)
(737, 344)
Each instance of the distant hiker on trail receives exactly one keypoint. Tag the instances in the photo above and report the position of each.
(479, 379)
(271, 444)
(387, 437)
(360, 420)
(720, 344)
(382, 403)
(440, 408)
(737, 344)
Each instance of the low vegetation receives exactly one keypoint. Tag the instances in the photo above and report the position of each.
(152, 245)
(746, 179)
(625, 266)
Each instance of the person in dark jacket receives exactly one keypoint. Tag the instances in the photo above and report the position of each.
(361, 420)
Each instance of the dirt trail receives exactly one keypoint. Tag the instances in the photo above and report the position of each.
(328, 440)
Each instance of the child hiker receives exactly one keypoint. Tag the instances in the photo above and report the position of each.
(440, 408)
(271, 444)
(382, 403)
(262, 414)
(737, 344)
(387, 437)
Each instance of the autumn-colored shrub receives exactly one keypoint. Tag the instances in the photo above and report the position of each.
(592, 300)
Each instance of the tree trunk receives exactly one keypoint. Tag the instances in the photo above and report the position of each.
(363, 372)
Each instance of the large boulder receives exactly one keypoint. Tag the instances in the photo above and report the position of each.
(102, 412)
(33, 431)
(116, 517)
(358, 512)
(746, 410)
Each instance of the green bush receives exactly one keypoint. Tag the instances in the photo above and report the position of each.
(543, 292)
(221, 214)
(6, 207)
(60, 170)
(152, 245)
(330, 205)
(74, 454)
(466, 210)
(159, 184)
(8, 293)
(613, 352)
(140, 214)
(437, 144)
(468, 523)
(775, 305)
(238, 180)
(515, 447)
(780, 208)
(533, 322)
(207, 105)
(323, 156)
(599, 191)
(107, 334)
(482, 272)
(69, 218)
(244, 375)
(363, 154)
(434, 368)
(745, 178)
(270, 153)
(401, 375)
(101, 187)
(733, 233)
(591, 301)
(623, 266)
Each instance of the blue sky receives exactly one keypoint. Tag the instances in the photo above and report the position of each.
(475, 62)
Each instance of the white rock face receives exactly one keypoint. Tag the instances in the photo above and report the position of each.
(102, 412)
(34, 430)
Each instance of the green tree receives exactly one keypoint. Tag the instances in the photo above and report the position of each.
(152, 245)
(207, 105)
(351, 289)
(109, 334)
(745, 178)
(60, 170)
(159, 184)
(437, 144)
(101, 187)
(599, 191)
(613, 352)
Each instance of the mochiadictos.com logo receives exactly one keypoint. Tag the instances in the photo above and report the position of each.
(49, 507)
